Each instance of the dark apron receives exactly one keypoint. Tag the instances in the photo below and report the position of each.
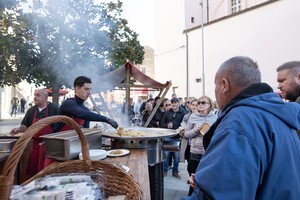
(37, 159)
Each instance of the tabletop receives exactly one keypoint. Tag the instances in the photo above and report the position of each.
(137, 161)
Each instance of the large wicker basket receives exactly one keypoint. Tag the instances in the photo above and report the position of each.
(113, 180)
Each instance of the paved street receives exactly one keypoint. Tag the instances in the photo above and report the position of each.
(7, 124)
(175, 188)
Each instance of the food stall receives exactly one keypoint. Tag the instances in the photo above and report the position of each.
(113, 180)
(128, 77)
(122, 78)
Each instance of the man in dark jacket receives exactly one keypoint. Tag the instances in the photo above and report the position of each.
(171, 119)
(74, 107)
(252, 151)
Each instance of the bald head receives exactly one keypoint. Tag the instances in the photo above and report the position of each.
(233, 76)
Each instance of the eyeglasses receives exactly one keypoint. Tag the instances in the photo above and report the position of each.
(202, 102)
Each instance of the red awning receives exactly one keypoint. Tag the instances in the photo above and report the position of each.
(115, 78)
(61, 92)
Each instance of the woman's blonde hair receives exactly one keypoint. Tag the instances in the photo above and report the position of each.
(209, 100)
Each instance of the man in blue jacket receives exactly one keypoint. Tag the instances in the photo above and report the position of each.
(252, 151)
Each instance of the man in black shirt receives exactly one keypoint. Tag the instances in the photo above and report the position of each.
(74, 108)
(40, 110)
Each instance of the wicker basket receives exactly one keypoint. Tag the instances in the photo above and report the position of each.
(113, 179)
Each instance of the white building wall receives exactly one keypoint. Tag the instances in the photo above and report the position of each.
(268, 34)
(169, 59)
(212, 10)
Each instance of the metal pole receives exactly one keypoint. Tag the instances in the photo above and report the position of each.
(203, 74)
(187, 65)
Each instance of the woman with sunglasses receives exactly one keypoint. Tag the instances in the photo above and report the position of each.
(165, 105)
(205, 114)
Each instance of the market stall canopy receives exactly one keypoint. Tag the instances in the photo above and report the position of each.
(120, 78)
(113, 79)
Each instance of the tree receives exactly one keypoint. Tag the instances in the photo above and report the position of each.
(125, 45)
(17, 53)
(69, 38)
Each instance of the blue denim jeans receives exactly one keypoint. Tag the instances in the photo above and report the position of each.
(175, 164)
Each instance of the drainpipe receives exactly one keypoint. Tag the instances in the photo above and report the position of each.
(207, 10)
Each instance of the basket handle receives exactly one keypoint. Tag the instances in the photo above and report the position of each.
(19, 147)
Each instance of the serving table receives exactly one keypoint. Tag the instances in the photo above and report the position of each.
(151, 140)
(137, 161)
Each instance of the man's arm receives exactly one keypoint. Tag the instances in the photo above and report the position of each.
(25, 123)
(20, 129)
(71, 108)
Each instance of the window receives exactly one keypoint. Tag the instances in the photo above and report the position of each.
(236, 6)
(192, 19)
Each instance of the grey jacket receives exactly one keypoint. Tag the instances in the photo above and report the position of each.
(196, 137)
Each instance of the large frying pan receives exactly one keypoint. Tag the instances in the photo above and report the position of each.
(150, 133)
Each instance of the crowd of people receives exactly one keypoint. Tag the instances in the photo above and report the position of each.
(246, 147)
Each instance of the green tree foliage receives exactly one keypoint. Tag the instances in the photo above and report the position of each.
(125, 45)
(17, 53)
(53, 42)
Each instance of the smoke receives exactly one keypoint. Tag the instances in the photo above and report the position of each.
(72, 37)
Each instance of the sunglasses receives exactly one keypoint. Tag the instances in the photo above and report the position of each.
(168, 104)
(202, 102)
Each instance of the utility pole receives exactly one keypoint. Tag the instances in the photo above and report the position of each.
(203, 74)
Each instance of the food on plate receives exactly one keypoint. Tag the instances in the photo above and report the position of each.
(116, 152)
(205, 128)
(130, 132)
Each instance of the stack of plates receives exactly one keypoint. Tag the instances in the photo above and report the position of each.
(95, 154)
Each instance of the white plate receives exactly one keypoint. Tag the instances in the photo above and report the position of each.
(125, 168)
(124, 152)
(95, 154)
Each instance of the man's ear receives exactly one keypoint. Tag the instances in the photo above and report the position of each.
(226, 85)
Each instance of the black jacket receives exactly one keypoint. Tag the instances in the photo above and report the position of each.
(174, 117)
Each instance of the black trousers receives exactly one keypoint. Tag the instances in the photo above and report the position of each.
(192, 166)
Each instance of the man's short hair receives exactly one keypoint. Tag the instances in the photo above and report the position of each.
(43, 91)
(292, 65)
(242, 70)
(81, 80)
